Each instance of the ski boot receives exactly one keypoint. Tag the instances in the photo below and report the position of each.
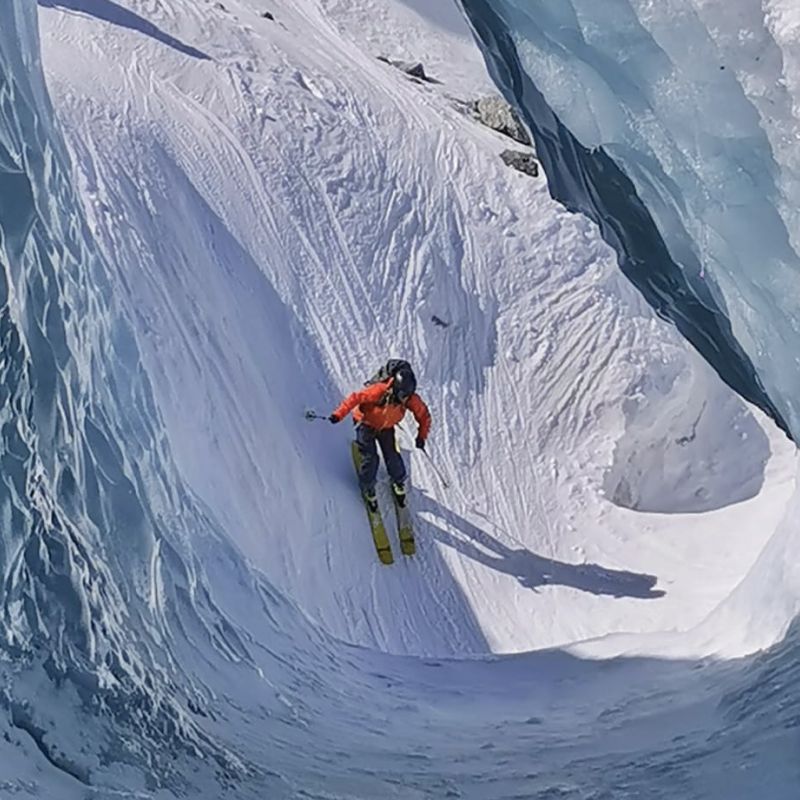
(399, 492)
(370, 499)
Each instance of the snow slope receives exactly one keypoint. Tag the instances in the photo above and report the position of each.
(284, 211)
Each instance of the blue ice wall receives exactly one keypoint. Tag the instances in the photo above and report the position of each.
(94, 522)
(687, 199)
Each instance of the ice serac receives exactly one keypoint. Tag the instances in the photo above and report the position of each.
(673, 126)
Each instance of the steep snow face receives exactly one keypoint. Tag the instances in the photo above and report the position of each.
(675, 126)
(316, 211)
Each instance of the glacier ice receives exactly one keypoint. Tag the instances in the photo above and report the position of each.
(673, 126)
(93, 541)
(141, 656)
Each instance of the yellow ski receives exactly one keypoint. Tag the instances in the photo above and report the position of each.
(376, 525)
(404, 528)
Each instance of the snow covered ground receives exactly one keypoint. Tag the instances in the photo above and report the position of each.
(284, 212)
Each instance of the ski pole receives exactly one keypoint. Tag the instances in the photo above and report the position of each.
(309, 415)
(437, 470)
(433, 463)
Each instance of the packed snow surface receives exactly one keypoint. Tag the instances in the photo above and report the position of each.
(249, 215)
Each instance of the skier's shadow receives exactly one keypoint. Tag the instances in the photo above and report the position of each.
(530, 569)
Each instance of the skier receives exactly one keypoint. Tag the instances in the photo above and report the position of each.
(376, 410)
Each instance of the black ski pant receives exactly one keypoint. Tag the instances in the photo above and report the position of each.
(366, 439)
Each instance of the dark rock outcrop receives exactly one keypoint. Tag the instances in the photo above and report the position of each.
(497, 114)
(524, 162)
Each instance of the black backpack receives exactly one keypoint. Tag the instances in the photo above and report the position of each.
(389, 370)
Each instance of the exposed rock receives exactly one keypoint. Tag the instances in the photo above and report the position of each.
(413, 69)
(498, 115)
(268, 15)
(524, 162)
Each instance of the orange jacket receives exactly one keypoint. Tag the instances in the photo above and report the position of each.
(372, 407)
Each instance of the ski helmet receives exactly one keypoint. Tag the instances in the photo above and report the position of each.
(404, 385)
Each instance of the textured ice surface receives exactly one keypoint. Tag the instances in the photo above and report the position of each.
(95, 571)
(674, 126)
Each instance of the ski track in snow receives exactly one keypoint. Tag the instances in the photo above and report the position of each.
(289, 212)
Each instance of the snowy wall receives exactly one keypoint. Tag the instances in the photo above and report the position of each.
(672, 126)
(94, 521)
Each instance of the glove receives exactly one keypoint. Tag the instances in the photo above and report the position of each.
(420, 443)
(334, 419)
